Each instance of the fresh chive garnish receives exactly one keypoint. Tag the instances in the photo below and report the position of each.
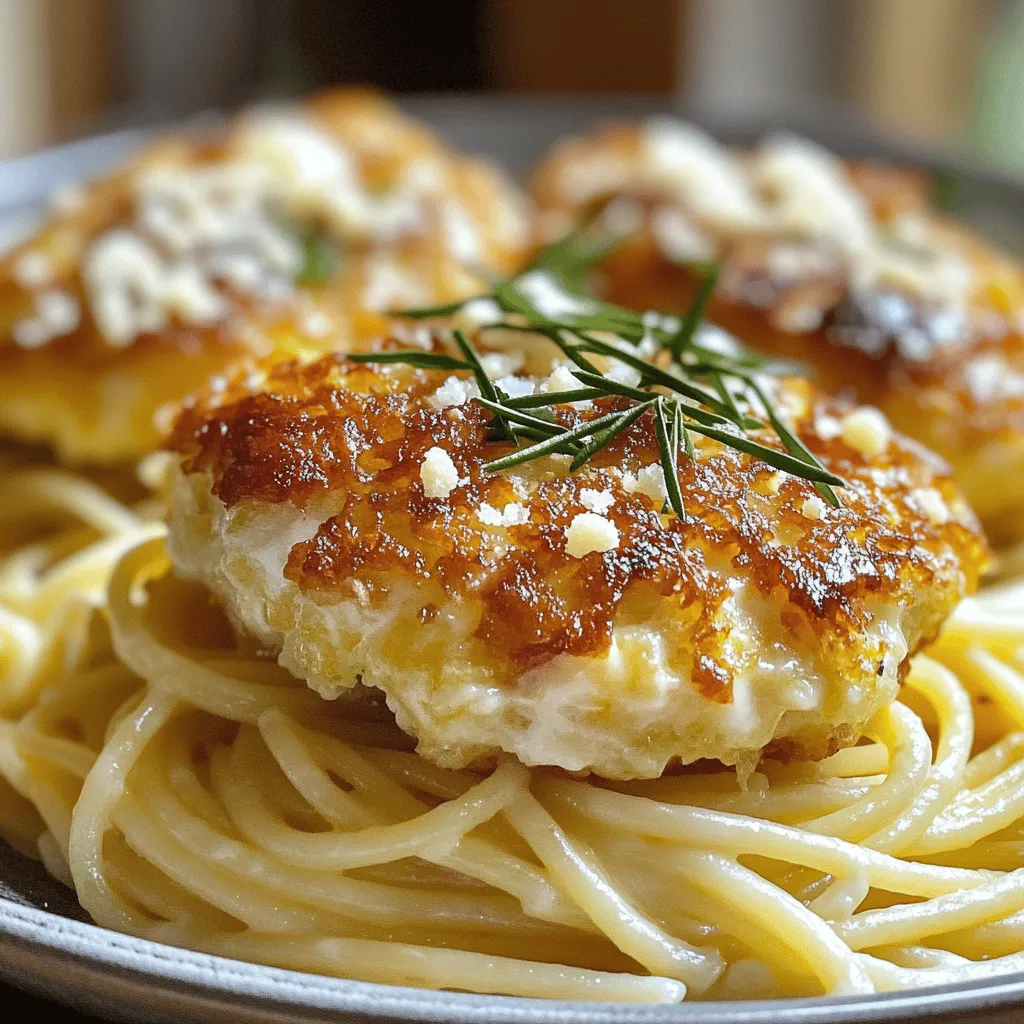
(688, 328)
(413, 357)
(684, 381)
(798, 449)
(669, 460)
(604, 436)
(557, 398)
(565, 436)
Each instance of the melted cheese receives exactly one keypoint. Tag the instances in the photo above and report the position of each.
(572, 711)
(793, 188)
(197, 233)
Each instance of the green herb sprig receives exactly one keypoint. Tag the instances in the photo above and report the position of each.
(699, 388)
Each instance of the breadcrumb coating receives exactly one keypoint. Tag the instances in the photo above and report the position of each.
(563, 617)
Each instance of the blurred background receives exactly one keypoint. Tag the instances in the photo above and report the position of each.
(938, 72)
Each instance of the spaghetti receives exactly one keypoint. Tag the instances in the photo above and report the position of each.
(195, 793)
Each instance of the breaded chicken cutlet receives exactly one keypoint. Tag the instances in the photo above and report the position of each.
(844, 266)
(289, 232)
(344, 515)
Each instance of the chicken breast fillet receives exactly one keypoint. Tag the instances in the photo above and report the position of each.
(343, 515)
(844, 266)
(289, 231)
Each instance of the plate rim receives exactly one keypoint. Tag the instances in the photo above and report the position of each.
(38, 946)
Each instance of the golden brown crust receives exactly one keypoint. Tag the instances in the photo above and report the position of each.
(344, 429)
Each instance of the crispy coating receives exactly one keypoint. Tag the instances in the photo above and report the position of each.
(760, 618)
(402, 211)
(945, 365)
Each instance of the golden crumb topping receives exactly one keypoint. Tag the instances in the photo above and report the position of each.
(558, 558)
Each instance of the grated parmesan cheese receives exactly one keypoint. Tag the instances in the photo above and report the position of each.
(315, 324)
(453, 392)
(932, 505)
(798, 189)
(678, 239)
(588, 533)
(476, 314)
(991, 378)
(438, 474)
(828, 428)
(513, 514)
(562, 379)
(197, 231)
(549, 299)
(867, 431)
(515, 387)
(461, 233)
(390, 287)
(650, 481)
(597, 501)
(32, 269)
(501, 364)
(705, 176)
(57, 313)
(622, 374)
(813, 508)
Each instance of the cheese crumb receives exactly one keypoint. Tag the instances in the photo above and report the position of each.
(798, 319)
(315, 324)
(438, 473)
(32, 269)
(623, 374)
(562, 379)
(867, 431)
(501, 364)
(623, 216)
(389, 286)
(488, 514)
(57, 314)
(828, 428)
(453, 392)
(649, 481)
(549, 298)
(678, 239)
(589, 532)
(516, 387)
(477, 313)
(513, 514)
(415, 337)
(932, 504)
(992, 378)
(597, 501)
(813, 508)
